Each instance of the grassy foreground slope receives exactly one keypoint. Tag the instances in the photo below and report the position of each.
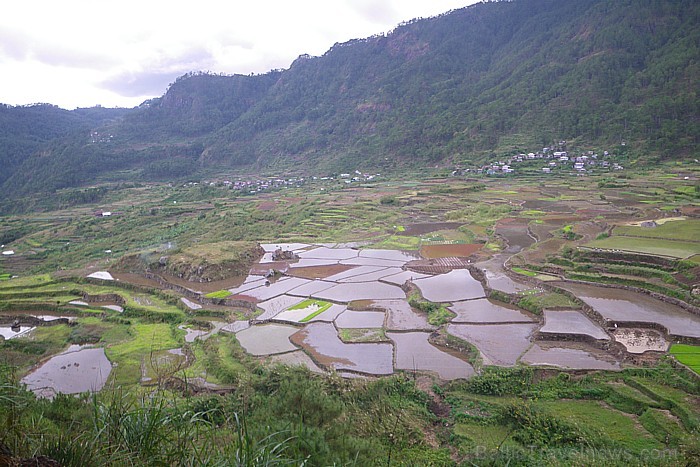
(283, 415)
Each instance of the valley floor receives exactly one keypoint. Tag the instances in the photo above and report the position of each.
(432, 321)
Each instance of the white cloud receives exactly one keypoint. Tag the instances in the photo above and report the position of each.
(77, 53)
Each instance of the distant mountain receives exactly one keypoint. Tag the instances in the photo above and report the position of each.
(492, 77)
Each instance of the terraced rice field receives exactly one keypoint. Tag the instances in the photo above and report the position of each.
(688, 355)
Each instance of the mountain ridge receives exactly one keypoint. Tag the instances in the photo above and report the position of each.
(490, 78)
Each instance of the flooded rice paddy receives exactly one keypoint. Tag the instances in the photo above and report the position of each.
(401, 317)
(303, 315)
(454, 286)
(78, 369)
(486, 311)
(382, 333)
(571, 358)
(515, 233)
(360, 319)
(496, 277)
(321, 342)
(267, 339)
(10, 332)
(414, 352)
(621, 306)
(371, 280)
(361, 291)
(499, 344)
(571, 322)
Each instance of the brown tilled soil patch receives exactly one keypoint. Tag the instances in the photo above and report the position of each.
(448, 251)
(206, 287)
(267, 205)
(136, 279)
(318, 272)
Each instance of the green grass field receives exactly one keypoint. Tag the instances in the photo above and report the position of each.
(322, 306)
(524, 272)
(689, 355)
(130, 354)
(598, 419)
(218, 294)
(680, 230)
(650, 246)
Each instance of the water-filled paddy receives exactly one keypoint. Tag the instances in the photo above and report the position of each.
(249, 283)
(393, 255)
(311, 288)
(571, 322)
(315, 262)
(628, 306)
(364, 261)
(267, 339)
(282, 286)
(515, 233)
(401, 317)
(499, 344)
(402, 277)
(75, 370)
(202, 334)
(414, 352)
(361, 291)
(296, 316)
(571, 358)
(360, 319)
(103, 275)
(321, 341)
(373, 276)
(236, 326)
(454, 286)
(192, 334)
(190, 304)
(275, 306)
(484, 311)
(496, 277)
(8, 332)
(325, 253)
(353, 271)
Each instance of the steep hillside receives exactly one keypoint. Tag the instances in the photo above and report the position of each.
(497, 76)
(24, 129)
(532, 71)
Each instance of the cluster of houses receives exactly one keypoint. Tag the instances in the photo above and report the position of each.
(257, 185)
(552, 160)
(97, 137)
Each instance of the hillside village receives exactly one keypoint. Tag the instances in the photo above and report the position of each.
(259, 184)
(550, 160)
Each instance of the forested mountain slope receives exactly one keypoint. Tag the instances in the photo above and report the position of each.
(24, 129)
(495, 76)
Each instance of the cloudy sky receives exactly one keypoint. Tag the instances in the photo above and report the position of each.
(80, 53)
